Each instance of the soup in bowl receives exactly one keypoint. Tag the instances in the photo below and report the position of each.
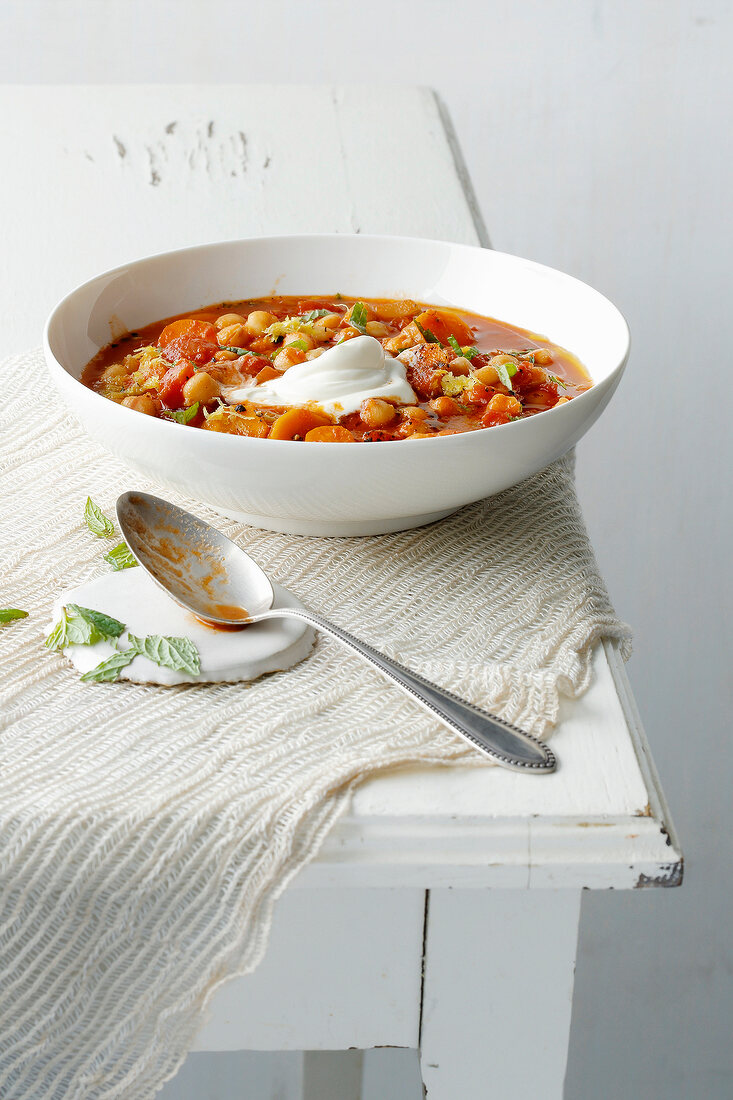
(223, 371)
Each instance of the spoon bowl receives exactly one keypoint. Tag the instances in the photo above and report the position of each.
(197, 565)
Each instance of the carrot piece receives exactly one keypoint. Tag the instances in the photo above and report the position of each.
(266, 374)
(189, 339)
(330, 433)
(232, 423)
(297, 422)
(170, 390)
(443, 323)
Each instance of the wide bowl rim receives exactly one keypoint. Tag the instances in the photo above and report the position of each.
(588, 397)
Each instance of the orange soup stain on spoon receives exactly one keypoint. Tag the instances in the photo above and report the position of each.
(226, 611)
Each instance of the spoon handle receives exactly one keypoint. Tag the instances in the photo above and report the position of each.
(504, 743)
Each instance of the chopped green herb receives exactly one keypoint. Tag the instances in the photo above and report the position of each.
(470, 353)
(96, 520)
(238, 351)
(180, 654)
(109, 670)
(105, 624)
(313, 315)
(121, 557)
(455, 345)
(557, 381)
(299, 345)
(8, 614)
(430, 337)
(182, 416)
(358, 317)
(506, 372)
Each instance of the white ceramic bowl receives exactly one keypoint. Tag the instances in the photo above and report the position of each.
(336, 488)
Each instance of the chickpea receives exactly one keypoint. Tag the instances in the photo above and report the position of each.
(320, 332)
(233, 335)
(332, 320)
(376, 413)
(487, 375)
(314, 353)
(227, 319)
(288, 357)
(225, 356)
(143, 404)
(200, 387)
(460, 365)
(507, 406)
(114, 372)
(503, 360)
(444, 406)
(414, 412)
(258, 321)
(299, 338)
(562, 401)
(377, 329)
(542, 357)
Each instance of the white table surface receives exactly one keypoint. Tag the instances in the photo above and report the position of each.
(105, 175)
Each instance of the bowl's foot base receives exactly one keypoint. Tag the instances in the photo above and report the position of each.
(336, 528)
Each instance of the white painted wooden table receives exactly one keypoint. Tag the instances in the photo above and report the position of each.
(442, 912)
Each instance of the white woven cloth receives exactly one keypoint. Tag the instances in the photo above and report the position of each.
(145, 833)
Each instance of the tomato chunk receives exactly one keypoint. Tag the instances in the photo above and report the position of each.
(443, 323)
(170, 390)
(189, 339)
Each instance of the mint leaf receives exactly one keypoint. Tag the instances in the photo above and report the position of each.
(57, 638)
(82, 626)
(96, 520)
(179, 654)
(313, 315)
(455, 345)
(105, 624)
(358, 317)
(7, 614)
(109, 670)
(70, 630)
(182, 416)
(557, 381)
(430, 337)
(121, 557)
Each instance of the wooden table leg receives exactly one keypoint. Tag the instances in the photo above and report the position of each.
(497, 993)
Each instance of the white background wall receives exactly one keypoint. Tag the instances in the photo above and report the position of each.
(598, 136)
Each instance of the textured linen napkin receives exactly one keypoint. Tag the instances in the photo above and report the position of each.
(145, 833)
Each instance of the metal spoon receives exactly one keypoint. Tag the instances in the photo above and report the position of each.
(208, 574)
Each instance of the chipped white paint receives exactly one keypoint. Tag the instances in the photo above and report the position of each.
(138, 170)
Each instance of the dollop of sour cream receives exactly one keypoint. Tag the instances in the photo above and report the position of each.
(336, 381)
